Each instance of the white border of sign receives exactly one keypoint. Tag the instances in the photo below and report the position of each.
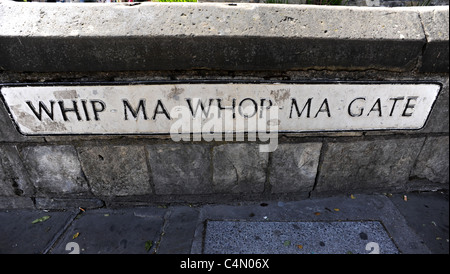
(143, 108)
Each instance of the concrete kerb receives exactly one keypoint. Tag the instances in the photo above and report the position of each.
(43, 37)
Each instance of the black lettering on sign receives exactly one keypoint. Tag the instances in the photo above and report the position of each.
(326, 109)
(134, 112)
(86, 113)
(219, 105)
(408, 106)
(97, 106)
(395, 101)
(350, 112)
(255, 105)
(199, 103)
(64, 110)
(307, 104)
(378, 107)
(162, 111)
(42, 106)
(262, 105)
(95, 109)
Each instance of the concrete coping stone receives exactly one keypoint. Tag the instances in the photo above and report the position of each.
(242, 36)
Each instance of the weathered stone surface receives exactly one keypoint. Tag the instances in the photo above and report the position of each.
(433, 161)
(54, 169)
(238, 37)
(368, 165)
(239, 168)
(16, 203)
(181, 168)
(438, 120)
(293, 167)
(435, 57)
(180, 224)
(116, 170)
(67, 203)
(13, 176)
(21, 236)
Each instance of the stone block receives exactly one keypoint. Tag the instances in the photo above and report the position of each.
(54, 169)
(368, 165)
(438, 121)
(435, 24)
(293, 167)
(433, 162)
(14, 179)
(181, 168)
(116, 170)
(239, 168)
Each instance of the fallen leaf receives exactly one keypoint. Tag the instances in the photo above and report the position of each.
(40, 220)
(82, 209)
(300, 246)
(76, 235)
(317, 213)
(106, 215)
(352, 196)
(336, 209)
(287, 243)
(148, 245)
(438, 238)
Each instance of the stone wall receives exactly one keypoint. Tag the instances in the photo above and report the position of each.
(47, 44)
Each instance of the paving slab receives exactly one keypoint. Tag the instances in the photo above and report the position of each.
(178, 231)
(427, 214)
(19, 235)
(105, 231)
(357, 237)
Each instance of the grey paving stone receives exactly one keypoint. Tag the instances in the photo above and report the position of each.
(178, 230)
(18, 235)
(114, 232)
(427, 214)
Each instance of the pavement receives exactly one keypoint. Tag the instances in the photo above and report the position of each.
(417, 223)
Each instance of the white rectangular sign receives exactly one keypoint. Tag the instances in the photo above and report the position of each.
(232, 107)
